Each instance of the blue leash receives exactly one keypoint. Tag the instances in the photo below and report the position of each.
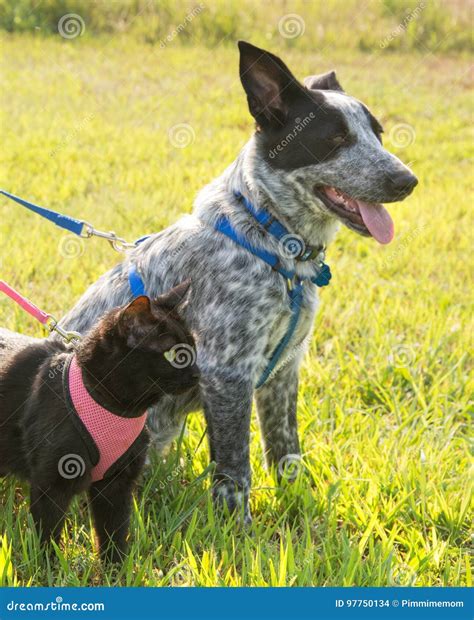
(63, 221)
(78, 227)
(223, 225)
(84, 229)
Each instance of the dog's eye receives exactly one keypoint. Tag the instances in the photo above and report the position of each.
(339, 140)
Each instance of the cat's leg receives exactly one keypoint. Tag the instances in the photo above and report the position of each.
(48, 505)
(111, 502)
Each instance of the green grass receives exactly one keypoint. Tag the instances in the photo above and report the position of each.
(383, 497)
(349, 24)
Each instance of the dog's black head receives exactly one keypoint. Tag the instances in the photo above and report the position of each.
(324, 142)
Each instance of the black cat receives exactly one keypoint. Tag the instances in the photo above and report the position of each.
(74, 421)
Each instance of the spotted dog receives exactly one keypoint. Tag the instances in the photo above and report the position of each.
(315, 160)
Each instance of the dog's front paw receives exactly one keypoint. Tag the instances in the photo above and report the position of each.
(228, 495)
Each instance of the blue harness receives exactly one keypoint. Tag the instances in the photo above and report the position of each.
(295, 284)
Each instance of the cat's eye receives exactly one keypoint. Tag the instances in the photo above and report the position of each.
(170, 355)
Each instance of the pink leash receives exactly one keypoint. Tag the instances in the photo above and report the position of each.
(41, 316)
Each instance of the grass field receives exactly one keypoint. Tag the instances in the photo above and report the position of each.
(89, 126)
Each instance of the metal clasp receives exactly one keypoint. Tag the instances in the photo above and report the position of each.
(73, 338)
(118, 244)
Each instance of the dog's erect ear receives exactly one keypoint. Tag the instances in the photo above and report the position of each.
(269, 84)
(325, 81)
(175, 297)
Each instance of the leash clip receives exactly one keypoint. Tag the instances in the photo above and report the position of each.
(118, 244)
(73, 338)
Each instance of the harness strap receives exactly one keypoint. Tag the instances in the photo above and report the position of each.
(277, 230)
(135, 281)
(224, 226)
(295, 291)
(265, 218)
(296, 295)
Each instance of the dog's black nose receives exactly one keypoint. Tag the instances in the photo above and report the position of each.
(403, 182)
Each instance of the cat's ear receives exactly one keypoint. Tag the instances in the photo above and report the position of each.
(175, 297)
(135, 320)
(139, 305)
(135, 314)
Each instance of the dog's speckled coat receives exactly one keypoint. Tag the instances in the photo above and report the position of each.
(238, 309)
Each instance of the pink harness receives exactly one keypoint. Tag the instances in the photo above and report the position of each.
(112, 434)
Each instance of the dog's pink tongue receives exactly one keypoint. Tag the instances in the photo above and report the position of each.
(378, 221)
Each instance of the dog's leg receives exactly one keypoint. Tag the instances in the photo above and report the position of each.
(276, 408)
(227, 407)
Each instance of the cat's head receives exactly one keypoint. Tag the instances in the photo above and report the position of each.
(148, 342)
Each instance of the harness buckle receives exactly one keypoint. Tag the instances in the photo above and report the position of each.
(311, 253)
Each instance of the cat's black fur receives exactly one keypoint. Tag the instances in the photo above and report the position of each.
(124, 369)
